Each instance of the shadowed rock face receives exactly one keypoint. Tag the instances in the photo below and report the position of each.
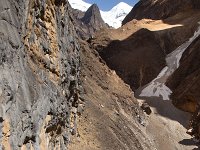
(39, 74)
(137, 59)
(158, 9)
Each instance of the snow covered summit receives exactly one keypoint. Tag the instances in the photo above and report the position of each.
(112, 17)
(79, 4)
(115, 16)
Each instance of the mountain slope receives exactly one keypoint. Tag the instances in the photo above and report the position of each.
(112, 118)
(143, 45)
(137, 52)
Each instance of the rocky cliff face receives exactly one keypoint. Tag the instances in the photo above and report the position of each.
(39, 77)
(89, 22)
(159, 9)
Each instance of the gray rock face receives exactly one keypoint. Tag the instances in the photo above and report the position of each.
(39, 74)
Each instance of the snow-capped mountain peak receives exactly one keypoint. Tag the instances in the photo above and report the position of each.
(79, 4)
(120, 6)
(113, 17)
(121, 9)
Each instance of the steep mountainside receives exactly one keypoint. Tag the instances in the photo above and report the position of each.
(112, 118)
(183, 83)
(39, 77)
(159, 9)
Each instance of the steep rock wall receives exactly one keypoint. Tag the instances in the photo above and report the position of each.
(39, 72)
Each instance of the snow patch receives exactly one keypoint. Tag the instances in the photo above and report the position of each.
(156, 89)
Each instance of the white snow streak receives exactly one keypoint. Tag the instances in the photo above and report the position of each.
(157, 87)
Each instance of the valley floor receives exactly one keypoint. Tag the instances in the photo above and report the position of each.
(167, 126)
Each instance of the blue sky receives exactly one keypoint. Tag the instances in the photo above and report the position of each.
(108, 4)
